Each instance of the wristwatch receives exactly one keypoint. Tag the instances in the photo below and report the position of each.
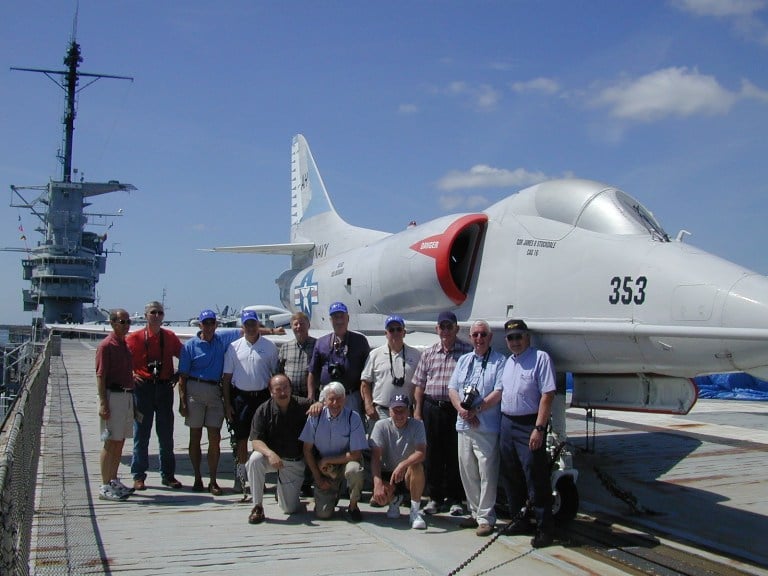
(540, 428)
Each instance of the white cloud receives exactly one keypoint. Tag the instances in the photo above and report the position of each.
(451, 202)
(668, 92)
(483, 96)
(540, 85)
(749, 90)
(721, 7)
(407, 109)
(484, 176)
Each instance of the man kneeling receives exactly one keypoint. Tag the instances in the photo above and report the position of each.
(275, 431)
(398, 447)
(333, 450)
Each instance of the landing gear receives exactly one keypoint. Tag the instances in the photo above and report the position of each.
(565, 499)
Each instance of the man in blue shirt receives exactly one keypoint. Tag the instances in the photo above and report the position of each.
(200, 367)
(528, 388)
(333, 450)
(475, 392)
(340, 357)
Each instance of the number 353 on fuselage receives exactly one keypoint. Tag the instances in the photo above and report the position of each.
(630, 312)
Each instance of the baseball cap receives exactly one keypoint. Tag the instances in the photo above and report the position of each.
(393, 319)
(248, 315)
(206, 315)
(399, 400)
(447, 316)
(515, 327)
(338, 307)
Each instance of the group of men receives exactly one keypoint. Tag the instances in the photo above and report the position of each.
(450, 421)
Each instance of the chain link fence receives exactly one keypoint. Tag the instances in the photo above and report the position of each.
(19, 455)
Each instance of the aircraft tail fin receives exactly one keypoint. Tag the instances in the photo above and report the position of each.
(313, 216)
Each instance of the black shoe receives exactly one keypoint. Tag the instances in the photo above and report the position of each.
(354, 514)
(306, 490)
(542, 539)
(523, 526)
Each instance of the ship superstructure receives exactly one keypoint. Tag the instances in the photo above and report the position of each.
(64, 267)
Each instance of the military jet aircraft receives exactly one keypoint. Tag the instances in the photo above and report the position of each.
(632, 313)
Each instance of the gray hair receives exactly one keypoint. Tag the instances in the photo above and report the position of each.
(484, 324)
(154, 305)
(334, 387)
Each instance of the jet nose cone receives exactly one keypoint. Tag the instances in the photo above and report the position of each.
(746, 311)
(746, 304)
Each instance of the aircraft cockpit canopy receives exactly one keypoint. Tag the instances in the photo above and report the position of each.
(592, 206)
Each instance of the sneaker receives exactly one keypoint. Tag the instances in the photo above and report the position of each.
(432, 507)
(417, 520)
(108, 492)
(457, 509)
(120, 488)
(394, 507)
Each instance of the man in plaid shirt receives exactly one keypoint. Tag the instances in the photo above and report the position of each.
(434, 407)
(294, 356)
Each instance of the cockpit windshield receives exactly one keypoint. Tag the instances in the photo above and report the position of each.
(614, 212)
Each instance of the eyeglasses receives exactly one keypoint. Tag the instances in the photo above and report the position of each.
(446, 326)
(479, 334)
(157, 312)
(395, 329)
(209, 322)
(122, 321)
(514, 337)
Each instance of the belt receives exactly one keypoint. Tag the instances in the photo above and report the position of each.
(299, 459)
(251, 393)
(381, 406)
(204, 381)
(439, 403)
(119, 389)
(521, 418)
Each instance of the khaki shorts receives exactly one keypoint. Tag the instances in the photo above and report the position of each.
(205, 406)
(120, 423)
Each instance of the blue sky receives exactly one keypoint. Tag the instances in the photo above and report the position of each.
(413, 110)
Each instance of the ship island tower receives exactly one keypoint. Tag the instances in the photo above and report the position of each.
(64, 267)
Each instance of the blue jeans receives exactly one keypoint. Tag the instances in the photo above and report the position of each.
(153, 400)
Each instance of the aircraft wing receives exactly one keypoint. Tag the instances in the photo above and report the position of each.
(277, 249)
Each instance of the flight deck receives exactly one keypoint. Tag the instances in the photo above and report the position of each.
(656, 490)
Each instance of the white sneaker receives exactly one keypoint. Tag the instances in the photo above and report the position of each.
(417, 520)
(432, 507)
(457, 510)
(107, 492)
(394, 507)
(120, 488)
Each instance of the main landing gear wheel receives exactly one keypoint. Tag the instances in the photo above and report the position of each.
(566, 500)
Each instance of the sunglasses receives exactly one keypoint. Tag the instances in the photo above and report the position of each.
(446, 326)
(479, 334)
(209, 322)
(395, 329)
(157, 313)
(122, 321)
(514, 337)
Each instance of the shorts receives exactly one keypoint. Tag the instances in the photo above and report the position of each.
(205, 406)
(119, 426)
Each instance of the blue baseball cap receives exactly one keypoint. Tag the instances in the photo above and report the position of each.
(394, 319)
(248, 315)
(206, 315)
(447, 316)
(338, 307)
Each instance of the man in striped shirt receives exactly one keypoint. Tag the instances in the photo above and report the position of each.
(434, 407)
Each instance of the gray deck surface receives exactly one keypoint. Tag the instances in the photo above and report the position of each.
(702, 475)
